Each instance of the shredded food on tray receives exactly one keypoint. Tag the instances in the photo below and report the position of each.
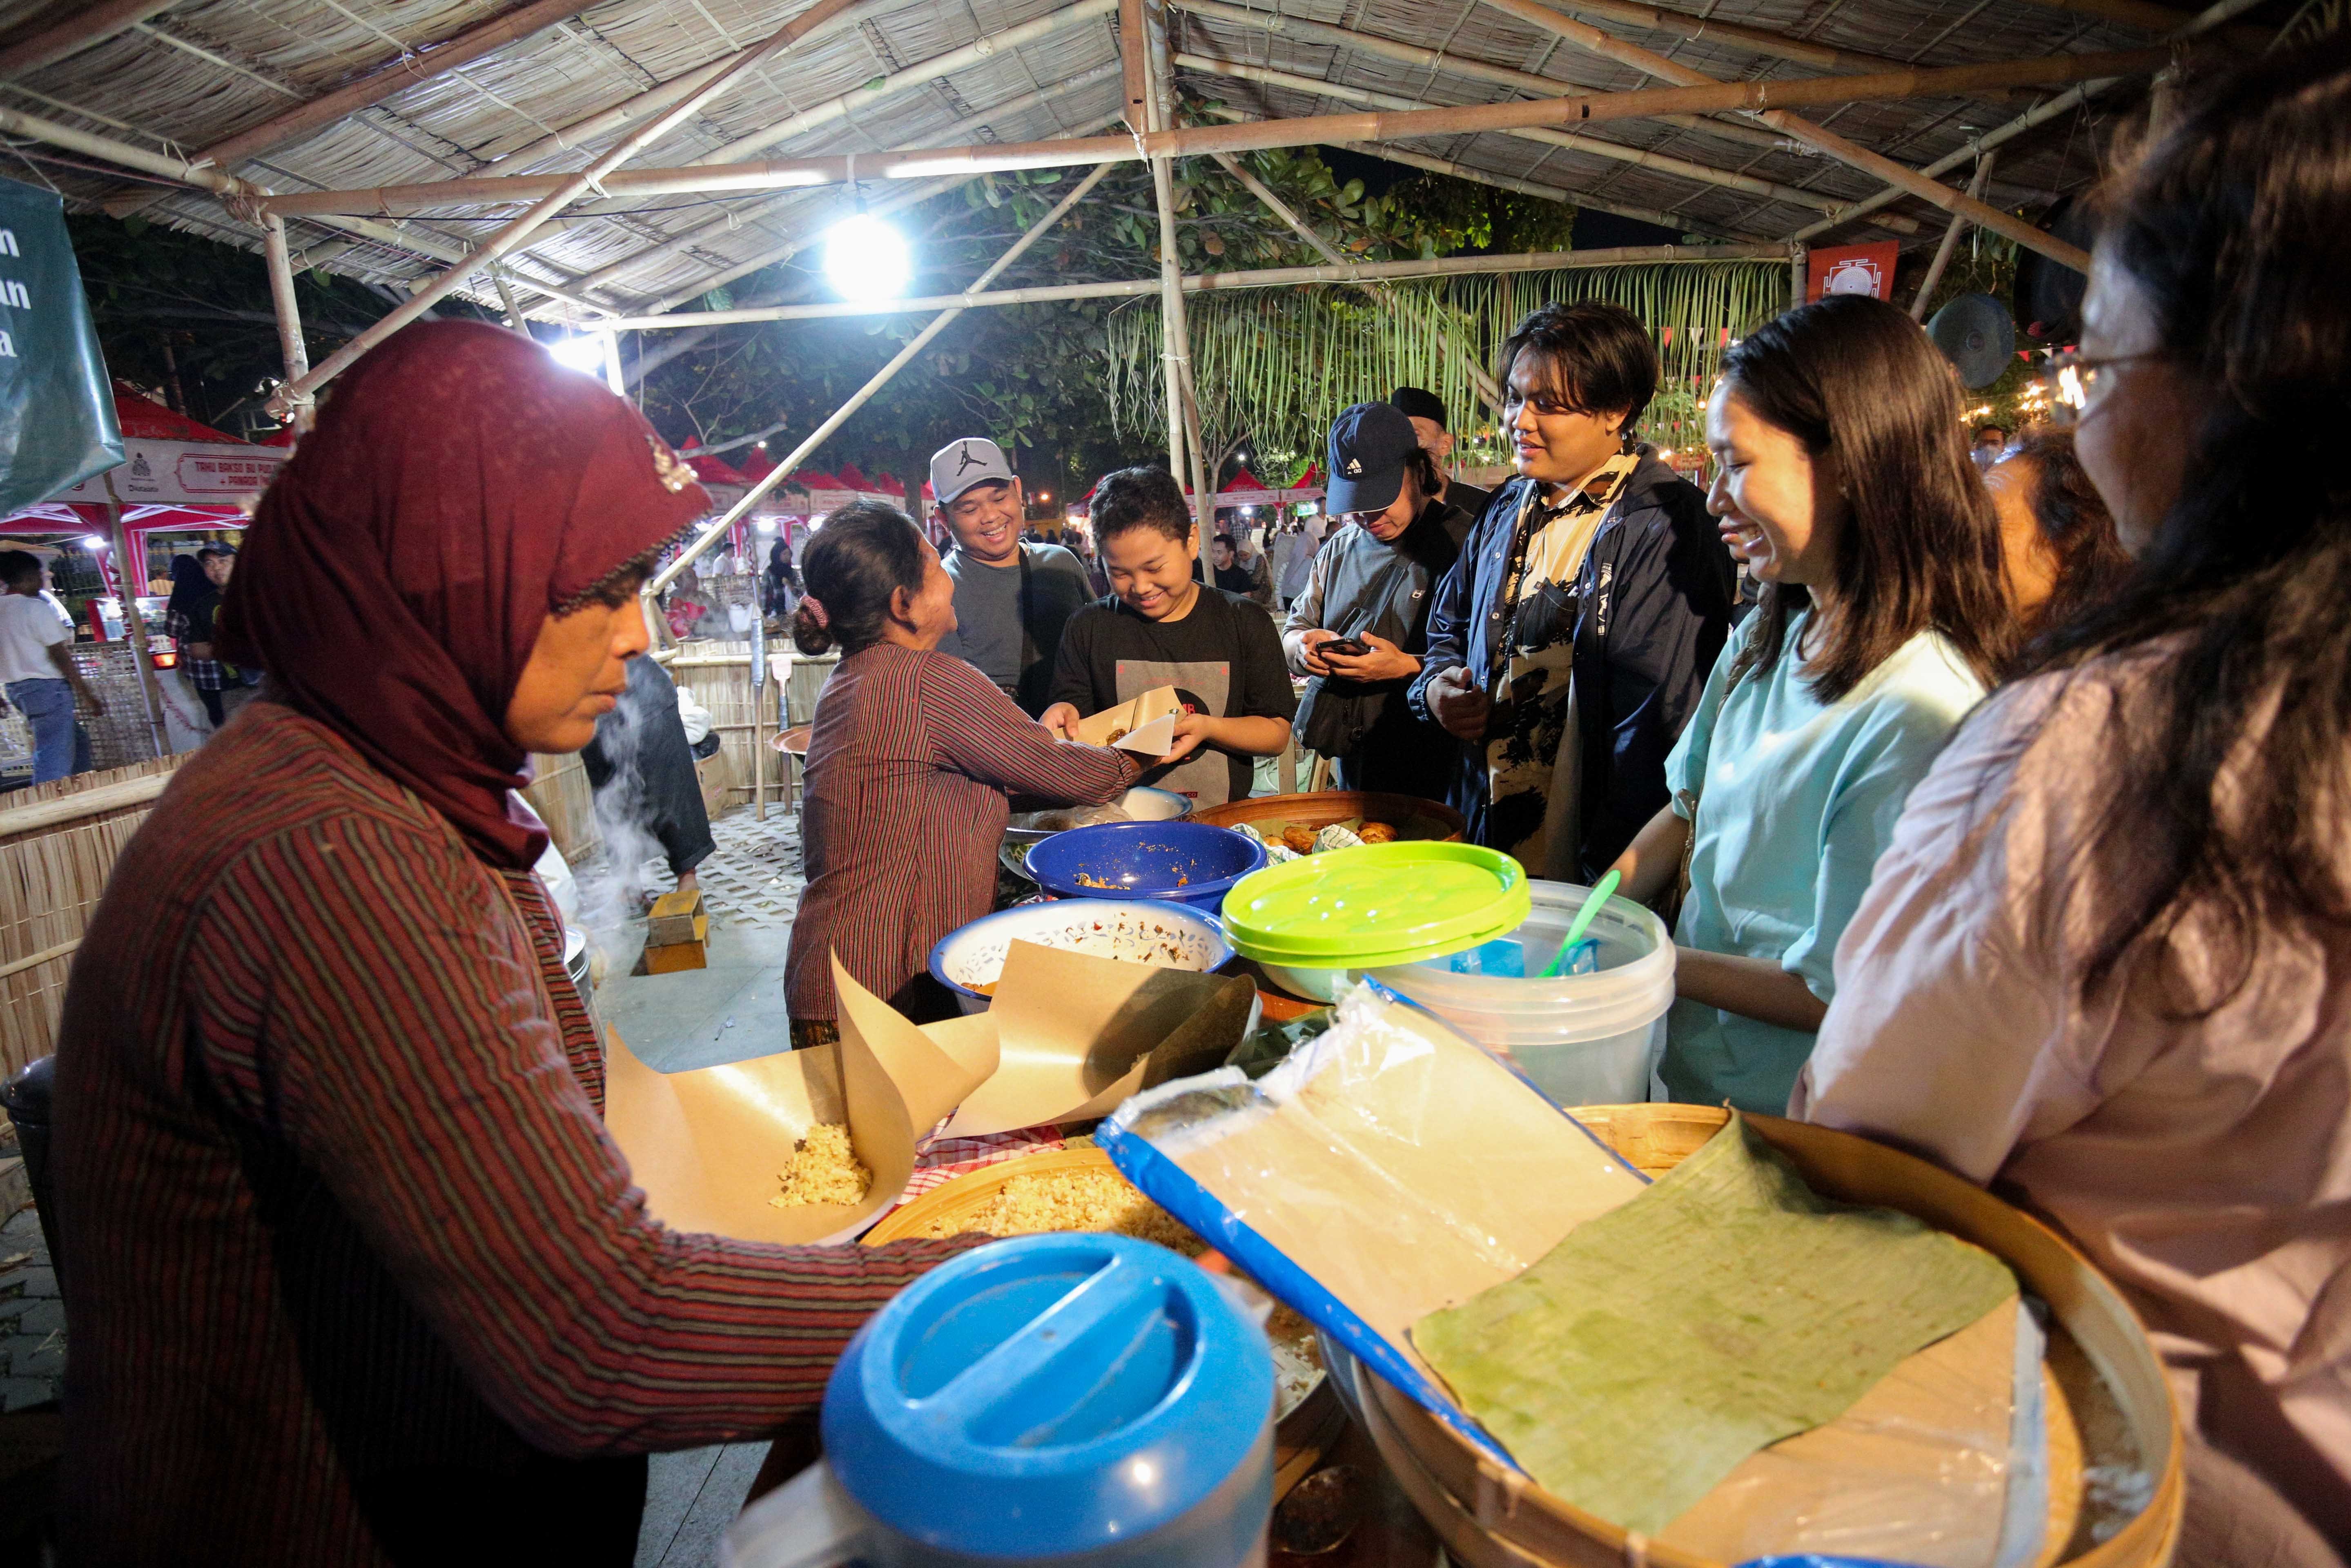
(823, 1169)
(1105, 1201)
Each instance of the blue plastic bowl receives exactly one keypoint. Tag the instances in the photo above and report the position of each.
(1182, 862)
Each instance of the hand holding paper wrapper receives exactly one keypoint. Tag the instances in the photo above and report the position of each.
(1144, 725)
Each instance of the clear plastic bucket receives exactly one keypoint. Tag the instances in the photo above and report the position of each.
(1590, 1039)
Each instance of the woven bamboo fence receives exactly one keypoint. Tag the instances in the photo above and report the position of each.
(54, 865)
(559, 792)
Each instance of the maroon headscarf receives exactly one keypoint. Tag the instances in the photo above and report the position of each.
(460, 488)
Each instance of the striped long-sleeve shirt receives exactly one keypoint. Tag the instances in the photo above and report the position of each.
(345, 1249)
(910, 763)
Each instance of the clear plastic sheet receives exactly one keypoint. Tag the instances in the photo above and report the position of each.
(1387, 1169)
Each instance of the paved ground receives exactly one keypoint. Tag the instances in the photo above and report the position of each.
(707, 1018)
(32, 1318)
(734, 1008)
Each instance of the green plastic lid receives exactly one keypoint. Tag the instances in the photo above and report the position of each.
(1377, 905)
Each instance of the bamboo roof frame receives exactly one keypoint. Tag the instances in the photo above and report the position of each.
(482, 94)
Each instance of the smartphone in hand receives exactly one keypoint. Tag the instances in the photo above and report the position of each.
(1349, 647)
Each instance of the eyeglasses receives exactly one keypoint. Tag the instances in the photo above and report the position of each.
(2075, 381)
(1359, 519)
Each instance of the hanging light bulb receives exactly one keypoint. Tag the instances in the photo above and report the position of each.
(582, 352)
(867, 259)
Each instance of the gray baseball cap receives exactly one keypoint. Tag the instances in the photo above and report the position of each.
(959, 465)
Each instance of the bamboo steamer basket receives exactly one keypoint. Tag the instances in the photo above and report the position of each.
(1431, 818)
(1300, 1438)
(2108, 1405)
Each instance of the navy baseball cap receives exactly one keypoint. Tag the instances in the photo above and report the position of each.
(1369, 445)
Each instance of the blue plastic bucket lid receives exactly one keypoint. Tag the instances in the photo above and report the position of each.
(1047, 1395)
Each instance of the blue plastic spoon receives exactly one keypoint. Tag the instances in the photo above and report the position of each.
(1592, 903)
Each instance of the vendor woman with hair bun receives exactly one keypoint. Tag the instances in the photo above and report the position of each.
(912, 758)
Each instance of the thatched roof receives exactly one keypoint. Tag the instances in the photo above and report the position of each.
(197, 73)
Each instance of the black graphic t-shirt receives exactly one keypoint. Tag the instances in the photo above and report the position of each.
(1224, 659)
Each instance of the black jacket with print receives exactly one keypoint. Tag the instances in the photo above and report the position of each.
(1652, 608)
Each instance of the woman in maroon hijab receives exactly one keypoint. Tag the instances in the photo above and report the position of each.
(354, 1273)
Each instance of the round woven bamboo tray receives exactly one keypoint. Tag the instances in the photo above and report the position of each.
(1425, 819)
(2109, 1404)
(1303, 1434)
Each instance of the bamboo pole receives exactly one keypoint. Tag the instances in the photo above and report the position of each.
(1950, 242)
(638, 106)
(507, 300)
(1184, 439)
(94, 25)
(1249, 136)
(523, 227)
(727, 222)
(290, 346)
(397, 75)
(1616, 152)
(1586, 36)
(1456, 65)
(244, 197)
(2207, 20)
(881, 378)
(1488, 392)
(18, 820)
(1201, 282)
(920, 74)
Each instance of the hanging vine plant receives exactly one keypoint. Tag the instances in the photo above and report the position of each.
(1278, 365)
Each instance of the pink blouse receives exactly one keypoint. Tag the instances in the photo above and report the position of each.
(2203, 1163)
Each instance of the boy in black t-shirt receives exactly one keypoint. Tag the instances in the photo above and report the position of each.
(1161, 627)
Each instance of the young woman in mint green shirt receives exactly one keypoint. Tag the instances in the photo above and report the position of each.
(1842, 479)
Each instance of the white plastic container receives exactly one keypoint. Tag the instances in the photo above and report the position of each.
(1584, 1039)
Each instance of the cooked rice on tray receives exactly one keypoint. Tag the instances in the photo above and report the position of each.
(1036, 1202)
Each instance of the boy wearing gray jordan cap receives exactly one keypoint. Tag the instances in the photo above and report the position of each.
(1011, 599)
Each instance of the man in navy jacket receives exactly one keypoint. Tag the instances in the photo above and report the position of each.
(1569, 644)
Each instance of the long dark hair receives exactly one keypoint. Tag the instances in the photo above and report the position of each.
(2232, 225)
(1859, 384)
(862, 555)
(2074, 522)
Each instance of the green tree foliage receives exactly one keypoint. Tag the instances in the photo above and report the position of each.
(191, 319)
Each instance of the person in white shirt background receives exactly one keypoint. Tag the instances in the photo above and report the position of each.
(37, 670)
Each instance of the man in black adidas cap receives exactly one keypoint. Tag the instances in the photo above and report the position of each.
(1011, 598)
(1427, 411)
(1359, 630)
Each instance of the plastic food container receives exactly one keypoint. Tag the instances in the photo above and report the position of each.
(1070, 1399)
(1312, 920)
(1584, 1039)
(1141, 931)
(1182, 862)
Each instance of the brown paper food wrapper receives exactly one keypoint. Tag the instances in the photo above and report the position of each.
(707, 1146)
(1069, 1038)
(1076, 1035)
(1145, 724)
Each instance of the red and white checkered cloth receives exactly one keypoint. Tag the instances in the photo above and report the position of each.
(942, 1160)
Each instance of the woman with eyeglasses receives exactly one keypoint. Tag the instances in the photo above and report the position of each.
(1841, 475)
(1568, 645)
(2107, 962)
